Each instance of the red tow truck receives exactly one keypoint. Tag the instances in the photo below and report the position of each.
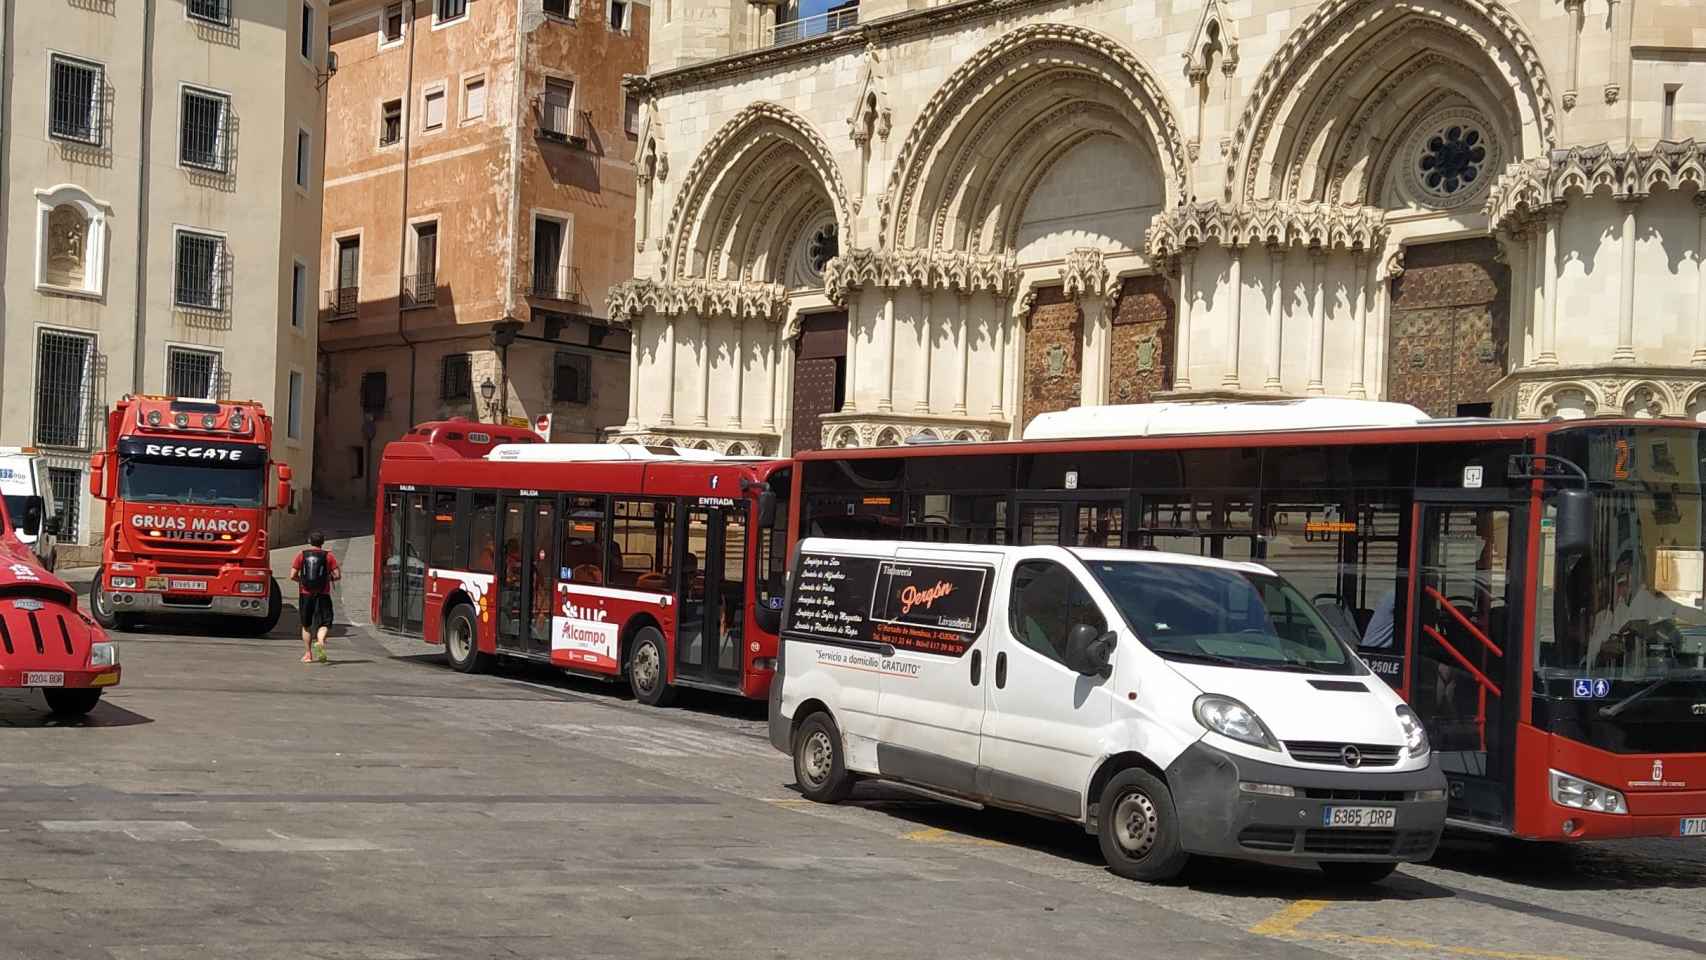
(187, 498)
(46, 643)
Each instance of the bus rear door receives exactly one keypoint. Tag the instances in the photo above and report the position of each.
(526, 574)
(712, 593)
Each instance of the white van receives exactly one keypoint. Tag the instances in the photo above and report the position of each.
(1174, 705)
(23, 481)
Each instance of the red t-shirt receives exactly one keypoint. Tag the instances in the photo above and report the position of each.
(331, 572)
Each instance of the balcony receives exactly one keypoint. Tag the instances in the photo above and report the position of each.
(832, 21)
(341, 302)
(565, 288)
(558, 124)
(419, 290)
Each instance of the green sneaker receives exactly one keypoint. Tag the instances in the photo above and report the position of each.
(320, 652)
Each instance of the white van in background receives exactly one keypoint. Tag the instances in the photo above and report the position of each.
(1173, 705)
(23, 481)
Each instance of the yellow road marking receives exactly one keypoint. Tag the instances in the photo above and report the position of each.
(801, 800)
(1283, 924)
(939, 835)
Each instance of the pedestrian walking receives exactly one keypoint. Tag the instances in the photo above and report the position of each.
(315, 569)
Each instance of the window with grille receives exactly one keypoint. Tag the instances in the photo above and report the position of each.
(547, 257)
(572, 379)
(192, 373)
(201, 137)
(390, 122)
(450, 10)
(67, 484)
(213, 11)
(307, 43)
(64, 376)
(304, 157)
(74, 100)
(298, 293)
(456, 377)
(373, 392)
(293, 408)
(201, 271)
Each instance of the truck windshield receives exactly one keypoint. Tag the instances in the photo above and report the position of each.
(145, 481)
(1210, 615)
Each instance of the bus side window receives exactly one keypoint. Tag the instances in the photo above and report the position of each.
(643, 544)
(441, 546)
(460, 530)
(483, 518)
(584, 543)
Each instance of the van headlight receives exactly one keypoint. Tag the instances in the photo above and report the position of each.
(1568, 791)
(1229, 718)
(103, 654)
(1415, 735)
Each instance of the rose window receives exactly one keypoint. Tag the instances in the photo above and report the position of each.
(825, 246)
(1452, 159)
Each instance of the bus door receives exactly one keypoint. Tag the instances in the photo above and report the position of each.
(711, 593)
(1466, 649)
(402, 584)
(1072, 519)
(526, 574)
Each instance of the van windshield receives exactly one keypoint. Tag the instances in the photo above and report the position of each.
(1210, 615)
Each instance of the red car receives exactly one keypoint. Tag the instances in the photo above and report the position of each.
(46, 643)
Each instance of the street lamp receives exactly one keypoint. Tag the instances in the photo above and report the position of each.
(488, 390)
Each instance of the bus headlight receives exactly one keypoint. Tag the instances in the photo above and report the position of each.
(1415, 735)
(103, 655)
(250, 586)
(1579, 794)
(1229, 718)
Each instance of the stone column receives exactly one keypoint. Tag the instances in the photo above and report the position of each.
(1276, 316)
(1549, 292)
(1092, 374)
(1518, 258)
(1187, 294)
(1234, 319)
(668, 351)
(1574, 9)
(633, 421)
(740, 369)
(999, 335)
(851, 391)
(1318, 325)
(1359, 325)
(702, 416)
(925, 295)
(1699, 357)
(773, 380)
(1626, 315)
(965, 351)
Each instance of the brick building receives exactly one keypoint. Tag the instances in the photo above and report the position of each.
(479, 184)
(943, 217)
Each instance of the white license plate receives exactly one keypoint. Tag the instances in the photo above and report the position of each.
(44, 679)
(1694, 826)
(189, 585)
(1359, 817)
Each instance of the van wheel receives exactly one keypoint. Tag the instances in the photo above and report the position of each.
(819, 765)
(1352, 871)
(1139, 828)
(72, 702)
(461, 641)
(647, 670)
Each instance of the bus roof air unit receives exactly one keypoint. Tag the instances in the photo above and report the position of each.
(1260, 416)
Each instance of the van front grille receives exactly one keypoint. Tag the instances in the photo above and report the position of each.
(1332, 754)
(1268, 838)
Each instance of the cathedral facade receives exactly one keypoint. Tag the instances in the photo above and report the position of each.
(941, 218)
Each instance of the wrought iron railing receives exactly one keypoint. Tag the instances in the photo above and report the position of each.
(805, 27)
(341, 301)
(552, 285)
(420, 290)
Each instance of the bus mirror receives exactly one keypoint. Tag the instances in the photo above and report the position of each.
(98, 476)
(766, 509)
(1574, 533)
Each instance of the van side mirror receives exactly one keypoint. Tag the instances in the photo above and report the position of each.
(1574, 531)
(30, 522)
(98, 476)
(766, 509)
(1091, 651)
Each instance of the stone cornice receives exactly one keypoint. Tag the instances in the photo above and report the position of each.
(1279, 223)
(1528, 189)
(933, 269)
(744, 299)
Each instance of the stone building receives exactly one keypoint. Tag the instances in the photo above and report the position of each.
(943, 218)
(160, 176)
(479, 204)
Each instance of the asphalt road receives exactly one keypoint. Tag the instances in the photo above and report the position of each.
(228, 801)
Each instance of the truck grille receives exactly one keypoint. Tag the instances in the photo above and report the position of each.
(1331, 754)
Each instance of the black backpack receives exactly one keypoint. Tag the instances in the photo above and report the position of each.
(313, 574)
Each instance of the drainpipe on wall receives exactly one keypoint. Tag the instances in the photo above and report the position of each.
(139, 348)
(517, 121)
(403, 229)
(8, 25)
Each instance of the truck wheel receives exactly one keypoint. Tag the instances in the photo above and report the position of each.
(101, 608)
(820, 767)
(1139, 828)
(71, 703)
(461, 640)
(1353, 871)
(648, 668)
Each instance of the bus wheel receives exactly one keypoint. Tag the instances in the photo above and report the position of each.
(71, 703)
(819, 767)
(101, 606)
(1352, 871)
(646, 669)
(462, 640)
(1139, 828)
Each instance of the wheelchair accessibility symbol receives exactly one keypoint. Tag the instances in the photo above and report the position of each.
(1587, 688)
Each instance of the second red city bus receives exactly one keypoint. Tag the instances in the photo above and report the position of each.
(660, 566)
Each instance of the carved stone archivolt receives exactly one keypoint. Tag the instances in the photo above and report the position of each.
(743, 299)
(933, 269)
(1529, 188)
(1283, 223)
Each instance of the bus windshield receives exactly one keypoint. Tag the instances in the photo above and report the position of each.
(144, 481)
(1210, 615)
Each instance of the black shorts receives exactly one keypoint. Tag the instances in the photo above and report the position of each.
(315, 611)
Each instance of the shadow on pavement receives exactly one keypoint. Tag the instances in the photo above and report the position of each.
(1612, 865)
(29, 710)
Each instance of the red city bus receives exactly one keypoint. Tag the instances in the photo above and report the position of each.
(655, 564)
(1533, 589)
